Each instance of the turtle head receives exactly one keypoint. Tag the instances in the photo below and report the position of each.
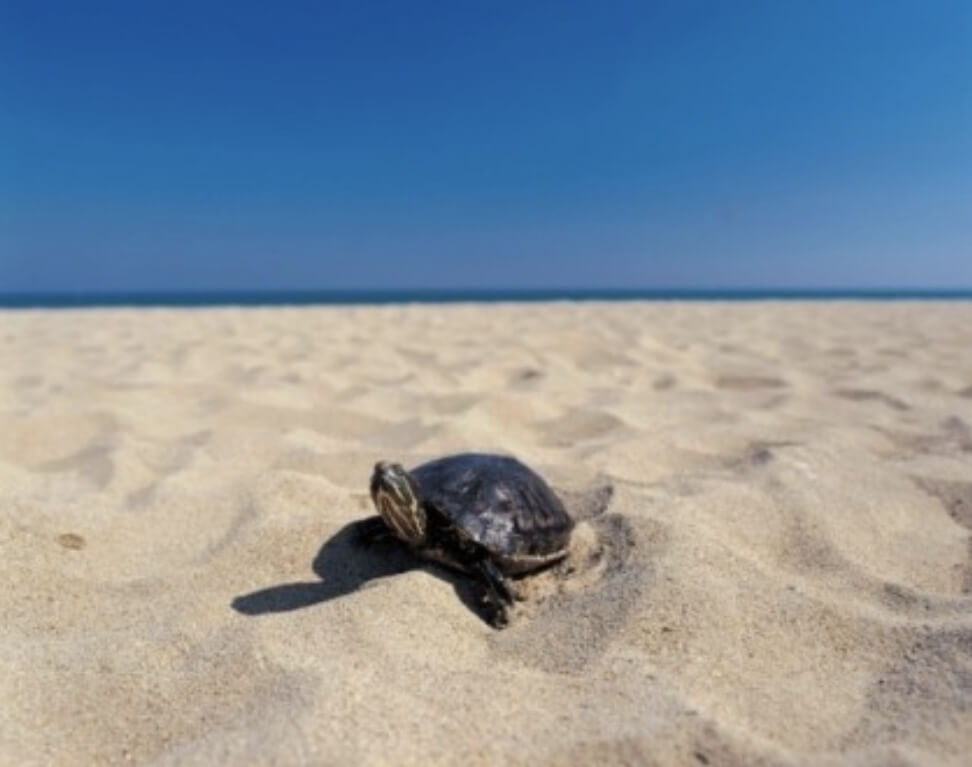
(396, 497)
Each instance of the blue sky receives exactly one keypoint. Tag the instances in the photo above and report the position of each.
(327, 145)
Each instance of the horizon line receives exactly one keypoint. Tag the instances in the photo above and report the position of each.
(202, 297)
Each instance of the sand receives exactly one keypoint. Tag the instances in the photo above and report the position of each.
(772, 564)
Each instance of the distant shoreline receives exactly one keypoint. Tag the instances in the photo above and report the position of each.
(66, 300)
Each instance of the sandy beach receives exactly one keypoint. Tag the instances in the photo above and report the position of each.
(772, 562)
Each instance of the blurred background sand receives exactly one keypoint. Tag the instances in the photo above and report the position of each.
(773, 563)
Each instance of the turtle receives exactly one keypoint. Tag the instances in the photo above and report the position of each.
(486, 515)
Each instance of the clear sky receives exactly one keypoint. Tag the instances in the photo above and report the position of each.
(326, 145)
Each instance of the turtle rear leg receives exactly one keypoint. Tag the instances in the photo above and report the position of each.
(499, 593)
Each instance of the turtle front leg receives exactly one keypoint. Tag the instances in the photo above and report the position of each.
(499, 593)
(368, 532)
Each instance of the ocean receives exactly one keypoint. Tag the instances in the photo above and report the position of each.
(80, 299)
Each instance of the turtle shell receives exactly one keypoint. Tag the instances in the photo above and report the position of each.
(500, 504)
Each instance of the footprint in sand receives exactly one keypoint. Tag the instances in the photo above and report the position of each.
(954, 436)
(71, 541)
(929, 675)
(956, 497)
(579, 425)
(525, 378)
(749, 382)
(867, 395)
(664, 382)
(94, 462)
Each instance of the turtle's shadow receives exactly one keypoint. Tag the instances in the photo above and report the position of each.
(344, 565)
